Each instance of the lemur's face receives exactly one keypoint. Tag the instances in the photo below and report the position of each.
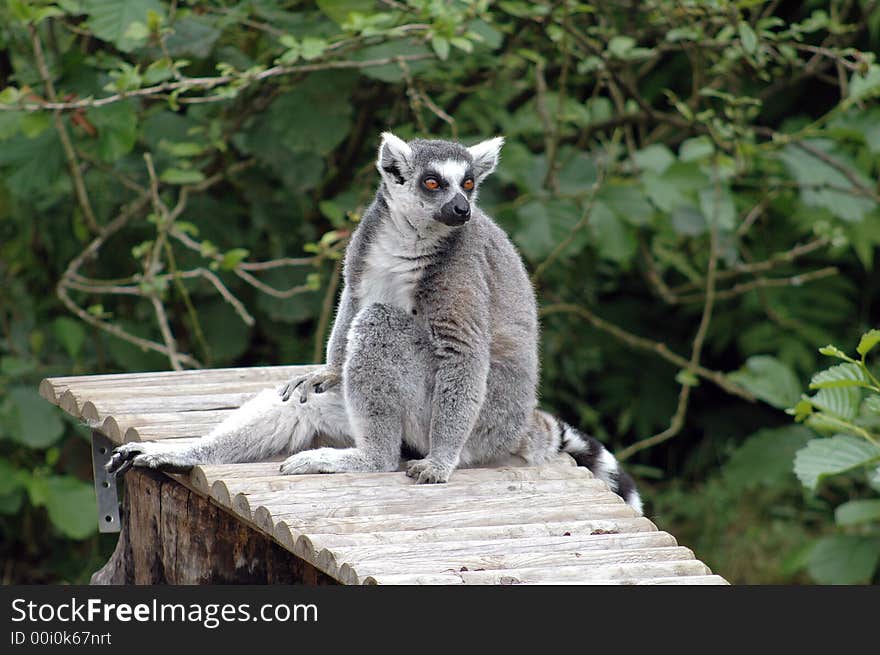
(432, 182)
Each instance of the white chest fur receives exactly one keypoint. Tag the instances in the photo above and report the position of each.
(391, 271)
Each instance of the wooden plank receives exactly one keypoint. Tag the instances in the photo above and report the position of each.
(95, 412)
(288, 526)
(476, 563)
(279, 492)
(51, 388)
(202, 477)
(73, 401)
(333, 560)
(516, 531)
(123, 428)
(686, 569)
(449, 503)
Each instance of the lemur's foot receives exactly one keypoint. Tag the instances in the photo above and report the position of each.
(318, 381)
(322, 460)
(148, 454)
(428, 471)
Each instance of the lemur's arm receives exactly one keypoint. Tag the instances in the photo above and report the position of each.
(461, 347)
(339, 334)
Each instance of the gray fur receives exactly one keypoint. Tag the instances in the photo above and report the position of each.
(435, 343)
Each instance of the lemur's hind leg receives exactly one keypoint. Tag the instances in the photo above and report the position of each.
(261, 428)
(385, 383)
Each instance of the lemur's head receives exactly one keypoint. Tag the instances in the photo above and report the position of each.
(435, 180)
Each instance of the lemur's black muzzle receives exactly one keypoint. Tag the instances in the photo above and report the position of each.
(455, 212)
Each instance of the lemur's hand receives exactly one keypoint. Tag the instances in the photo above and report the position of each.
(318, 381)
(149, 454)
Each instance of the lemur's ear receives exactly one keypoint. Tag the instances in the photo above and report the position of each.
(485, 156)
(395, 158)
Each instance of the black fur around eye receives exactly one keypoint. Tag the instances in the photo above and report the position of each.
(431, 183)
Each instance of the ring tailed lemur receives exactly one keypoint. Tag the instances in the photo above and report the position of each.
(434, 348)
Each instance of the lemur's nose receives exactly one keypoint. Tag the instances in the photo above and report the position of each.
(455, 212)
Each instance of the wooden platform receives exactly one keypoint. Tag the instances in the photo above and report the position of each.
(553, 524)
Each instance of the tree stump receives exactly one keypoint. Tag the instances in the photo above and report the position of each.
(171, 535)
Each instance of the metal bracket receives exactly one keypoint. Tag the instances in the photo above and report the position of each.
(105, 484)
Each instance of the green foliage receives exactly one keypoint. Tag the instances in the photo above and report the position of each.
(848, 405)
(698, 178)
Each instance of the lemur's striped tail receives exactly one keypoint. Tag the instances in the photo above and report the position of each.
(589, 452)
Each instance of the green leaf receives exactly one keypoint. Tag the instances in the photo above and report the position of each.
(821, 458)
(184, 149)
(339, 10)
(613, 239)
(765, 458)
(820, 181)
(628, 202)
(855, 512)
(194, 36)
(718, 208)
(233, 258)
(841, 375)
(441, 47)
(110, 20)
(576, 175)
(748, 37)
(10, 504)
(544, 224)
(31, 166)
(697, 148)
(35, 422)
(839, 401)
(392, 72)
(844, 559)
(865, 86)
(159, 71)
(69, 502)
(656, 158)
(770, 380)
(181, 176)
(312, 48)
(302, 129)
(871, 405)
(70, 334)
(833, 351)
(678, 185)
(34, 124)
(686, 378)
(462, 44)
(689, 221)
(868, 341)
(10, 478)
(117, 129)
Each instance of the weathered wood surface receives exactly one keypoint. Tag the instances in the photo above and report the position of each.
(553, 524)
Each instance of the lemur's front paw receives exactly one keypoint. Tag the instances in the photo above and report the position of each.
(319, 460)
(147, 455)
(428, 471)
(318, 381)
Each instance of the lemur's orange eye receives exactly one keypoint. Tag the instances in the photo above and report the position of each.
(431, 183)
(468, 184)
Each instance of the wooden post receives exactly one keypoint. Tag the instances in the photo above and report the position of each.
(171, 535)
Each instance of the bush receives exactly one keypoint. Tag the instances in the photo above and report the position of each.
(692, 184)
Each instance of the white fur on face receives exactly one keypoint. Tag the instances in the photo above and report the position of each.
(452, 170)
